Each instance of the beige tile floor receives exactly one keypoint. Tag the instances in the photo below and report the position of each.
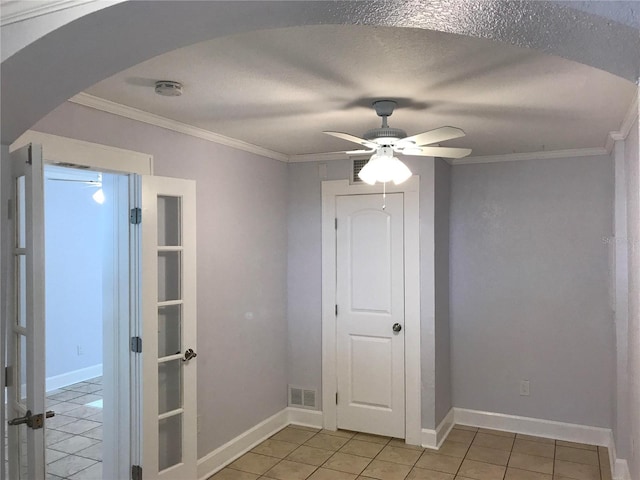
(74, 435)
(299, 453)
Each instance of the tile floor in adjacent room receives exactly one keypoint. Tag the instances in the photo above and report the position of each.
(298, 453)
(74, 436)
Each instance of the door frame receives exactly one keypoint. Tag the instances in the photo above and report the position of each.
(109, 159)
(411, 190)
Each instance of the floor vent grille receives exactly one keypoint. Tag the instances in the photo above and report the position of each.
(302, 398)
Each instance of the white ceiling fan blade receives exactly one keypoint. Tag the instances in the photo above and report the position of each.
(354, 139)
(446, 152)
(359, 152)
(432, 136)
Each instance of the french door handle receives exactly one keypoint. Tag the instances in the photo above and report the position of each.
(189, 354)
(32, 421)
(20, 420)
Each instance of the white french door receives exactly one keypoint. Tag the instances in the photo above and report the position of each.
(370, 314)
(168, 336)
(25, 322)
(166, 289)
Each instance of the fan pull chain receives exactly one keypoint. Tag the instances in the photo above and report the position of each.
(384, 195)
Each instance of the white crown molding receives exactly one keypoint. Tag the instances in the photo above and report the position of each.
(625, 127)
(630, 117)
(517, 157)
(318, 157)
(509, 157)
(17, 11)
(162, 122)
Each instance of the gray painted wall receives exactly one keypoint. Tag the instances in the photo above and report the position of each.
(633, 349)
(442, 187)
(304, 279)
(74, 242)
(242, 258)
(529, 269)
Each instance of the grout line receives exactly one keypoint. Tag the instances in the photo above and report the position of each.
(475, 434)
(506, 467)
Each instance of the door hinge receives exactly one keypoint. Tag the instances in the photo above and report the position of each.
(336, 309)
(136, 472)
(136, 344)
(336, 223)
(336, 398)
(135, 217)
(30, 154)
(7, 376)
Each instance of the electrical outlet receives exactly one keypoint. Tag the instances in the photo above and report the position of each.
(524, 388)
(80, 350)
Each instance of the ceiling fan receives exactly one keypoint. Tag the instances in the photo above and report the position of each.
(384, 141)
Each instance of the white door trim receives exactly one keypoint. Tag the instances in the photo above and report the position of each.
(411, 190)
(121, 446)
(93, 155)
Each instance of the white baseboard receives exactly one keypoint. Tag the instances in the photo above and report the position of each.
(69, 378)
(304, 417)
(619, 466)
(547, 428)
(236, 447)
(434, 438)
(621, 470)
(428, 438)
(227, 453)
(534, 426)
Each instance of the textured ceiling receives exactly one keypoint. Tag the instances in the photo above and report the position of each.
(49, 69)
(279, 89)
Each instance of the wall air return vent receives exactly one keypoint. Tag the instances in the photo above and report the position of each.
(357, 166)
(301, 397)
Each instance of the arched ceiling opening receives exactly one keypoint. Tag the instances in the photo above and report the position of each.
(94, 47)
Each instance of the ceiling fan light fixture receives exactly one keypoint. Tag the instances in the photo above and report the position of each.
(383, 167)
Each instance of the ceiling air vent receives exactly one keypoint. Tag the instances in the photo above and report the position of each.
(357, 166)
(302, 398)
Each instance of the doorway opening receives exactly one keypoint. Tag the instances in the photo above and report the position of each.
(81, 309)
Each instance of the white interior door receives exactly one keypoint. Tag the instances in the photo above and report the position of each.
(24, 252)
(168, 245)
(370, 314)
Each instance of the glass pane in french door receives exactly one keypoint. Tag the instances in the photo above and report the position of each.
(18, 349)
(170, 363)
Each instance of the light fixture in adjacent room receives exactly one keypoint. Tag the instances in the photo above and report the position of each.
(383, 167)
(98, 196)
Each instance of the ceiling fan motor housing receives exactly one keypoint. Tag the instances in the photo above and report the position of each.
(381, 135)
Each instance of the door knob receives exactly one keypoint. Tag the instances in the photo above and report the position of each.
(189, 354)
(397, 327)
